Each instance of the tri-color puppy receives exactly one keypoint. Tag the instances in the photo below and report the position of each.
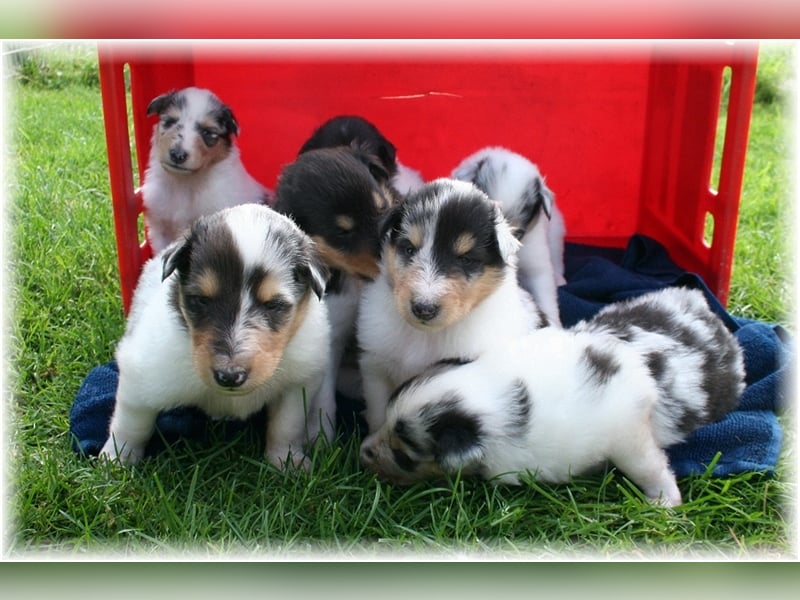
(529, 205)
(346, 130)
(335, 196)
(447, 287)
(559, 403)
(229, 319)
(194, 167)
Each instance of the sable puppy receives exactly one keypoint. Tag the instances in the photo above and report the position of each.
(334, 196)
(352, 130)
(529, 205)
(559, 403)
(447, 287)
(229, 319)
(194, 167)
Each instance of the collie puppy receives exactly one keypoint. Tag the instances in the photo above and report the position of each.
(229, 319)
(194, 168)
(529, 205)
(346, 130)
(559, 403)
(334, 196)
(447, 287)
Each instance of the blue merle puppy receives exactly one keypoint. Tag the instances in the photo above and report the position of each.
(556, 403)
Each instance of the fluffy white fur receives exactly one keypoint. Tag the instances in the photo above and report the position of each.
(558, 403)
(174, 197)
(516, 183)
(393, 349)
(155, 355)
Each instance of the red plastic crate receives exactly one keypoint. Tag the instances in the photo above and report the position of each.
(624, 133)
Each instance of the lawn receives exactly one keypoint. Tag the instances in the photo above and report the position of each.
(63, 317)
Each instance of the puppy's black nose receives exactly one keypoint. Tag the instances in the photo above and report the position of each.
(424, 311)
(178, 155)
(230, 378)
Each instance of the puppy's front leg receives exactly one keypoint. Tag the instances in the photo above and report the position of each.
(131, 427)
(286, 427)
(377, 389)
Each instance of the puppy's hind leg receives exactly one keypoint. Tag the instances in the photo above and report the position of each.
(647, 466)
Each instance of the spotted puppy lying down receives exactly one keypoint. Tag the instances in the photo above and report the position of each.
(228, 320)
(558, 403)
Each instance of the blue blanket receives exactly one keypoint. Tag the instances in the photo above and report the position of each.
(748, 439)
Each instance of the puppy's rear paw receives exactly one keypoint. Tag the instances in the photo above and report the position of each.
(287, 458)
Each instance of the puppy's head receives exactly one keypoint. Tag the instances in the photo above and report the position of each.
(241, 283)
(195, 130)
(446, 248)
(331, 194)
(513, 181)
(354, 131)
(429, 430)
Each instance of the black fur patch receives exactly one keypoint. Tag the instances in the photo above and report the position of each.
(348, 130)
(602, 365)
(520, 406)
(429, 373)
(472, 215)
(401, 431)
(452, 430)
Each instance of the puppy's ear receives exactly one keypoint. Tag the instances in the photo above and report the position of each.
(372, 161)
(160, 103)
(391, 223)
(537, 194)
(456, 437)
(227, 120)
(176, 258)
(507, 241)
(469, 171)
(313, 273)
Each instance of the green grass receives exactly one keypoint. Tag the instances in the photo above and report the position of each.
(225, 500)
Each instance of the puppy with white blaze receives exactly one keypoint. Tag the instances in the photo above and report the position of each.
(229, 319)
(194, 167)
(529, 205)
(558, 403)
(447, 287)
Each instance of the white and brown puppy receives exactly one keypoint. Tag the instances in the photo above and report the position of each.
(529, 205)
(194, 168)
(229, 319)
(447, 287)
(559, 403)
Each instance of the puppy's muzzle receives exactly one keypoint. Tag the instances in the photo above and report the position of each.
(425, 311)
(178, 155)
(230, 378)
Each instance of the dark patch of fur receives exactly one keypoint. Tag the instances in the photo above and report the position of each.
(602, 365)
(521, 405)
(351, 130)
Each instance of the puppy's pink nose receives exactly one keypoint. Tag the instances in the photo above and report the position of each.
(367, 455)
(230, 378)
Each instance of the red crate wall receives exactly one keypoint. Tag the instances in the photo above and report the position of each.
(624, 137)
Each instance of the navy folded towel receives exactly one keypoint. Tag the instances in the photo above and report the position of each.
(748, 439)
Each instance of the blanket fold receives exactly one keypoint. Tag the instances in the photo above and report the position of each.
(748, 439)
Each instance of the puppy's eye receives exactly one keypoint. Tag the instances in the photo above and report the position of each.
(276, 305)
(406, 248)
(196, 302)
(168, 122)
(209, 137)
(403, 460)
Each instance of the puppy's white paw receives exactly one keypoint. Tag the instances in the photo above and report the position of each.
(126, 454)
(285, 457)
